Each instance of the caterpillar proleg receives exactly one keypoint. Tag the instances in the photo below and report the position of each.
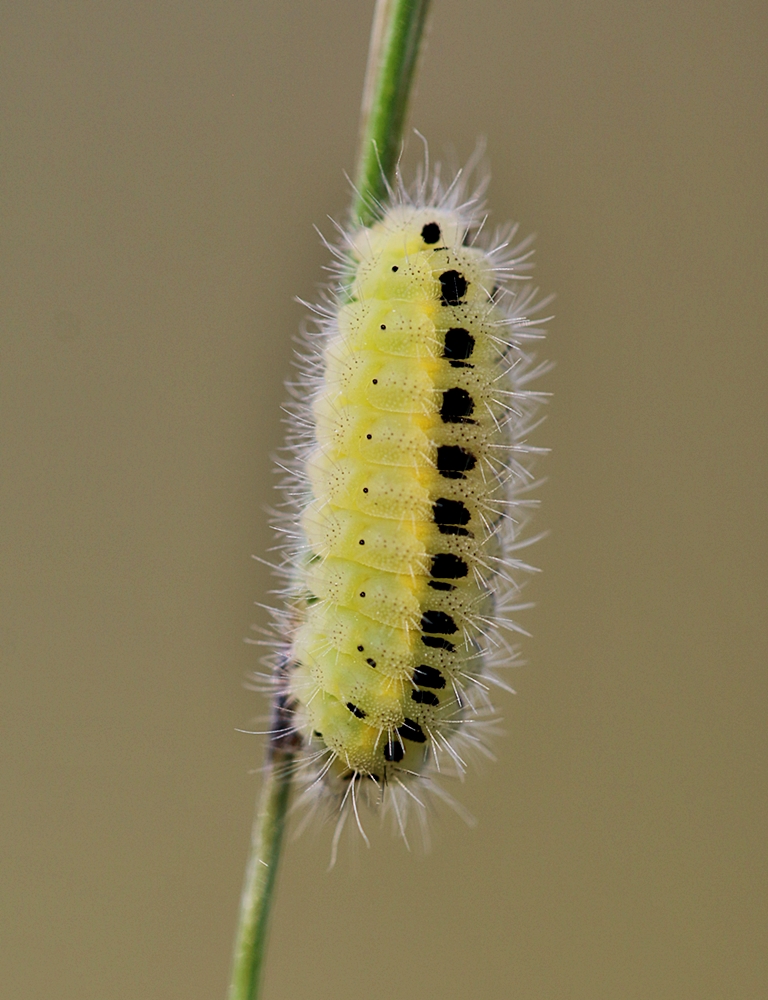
(407, 482)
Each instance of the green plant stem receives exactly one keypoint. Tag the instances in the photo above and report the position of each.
(398, 28)
(266, 842)
(395, 41)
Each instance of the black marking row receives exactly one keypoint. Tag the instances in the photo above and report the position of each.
(453, 462)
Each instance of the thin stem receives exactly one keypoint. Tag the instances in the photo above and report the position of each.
(395, 41)
(266, 842)
(398, 28)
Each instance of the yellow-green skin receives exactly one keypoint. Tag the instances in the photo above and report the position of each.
(374, 576)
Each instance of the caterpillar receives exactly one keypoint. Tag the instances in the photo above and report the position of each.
(406, 488)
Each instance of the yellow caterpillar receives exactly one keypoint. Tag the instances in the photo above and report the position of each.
(410, 455)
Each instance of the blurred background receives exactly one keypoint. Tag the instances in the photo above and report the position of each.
(162, 169)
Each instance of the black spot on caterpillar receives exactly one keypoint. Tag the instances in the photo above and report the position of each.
(453, 461)
(447, 566)
(438, 643)
(393, 751)
(450, 512)
(453, 288)
(411, 730)
(425, 698)
(430, 233)
(428, 677)
(438, 621)
(457, 407)
(459, 344)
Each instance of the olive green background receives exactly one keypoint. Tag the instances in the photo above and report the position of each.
(162, 166)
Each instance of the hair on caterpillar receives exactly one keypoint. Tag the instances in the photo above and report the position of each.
(405, 479)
